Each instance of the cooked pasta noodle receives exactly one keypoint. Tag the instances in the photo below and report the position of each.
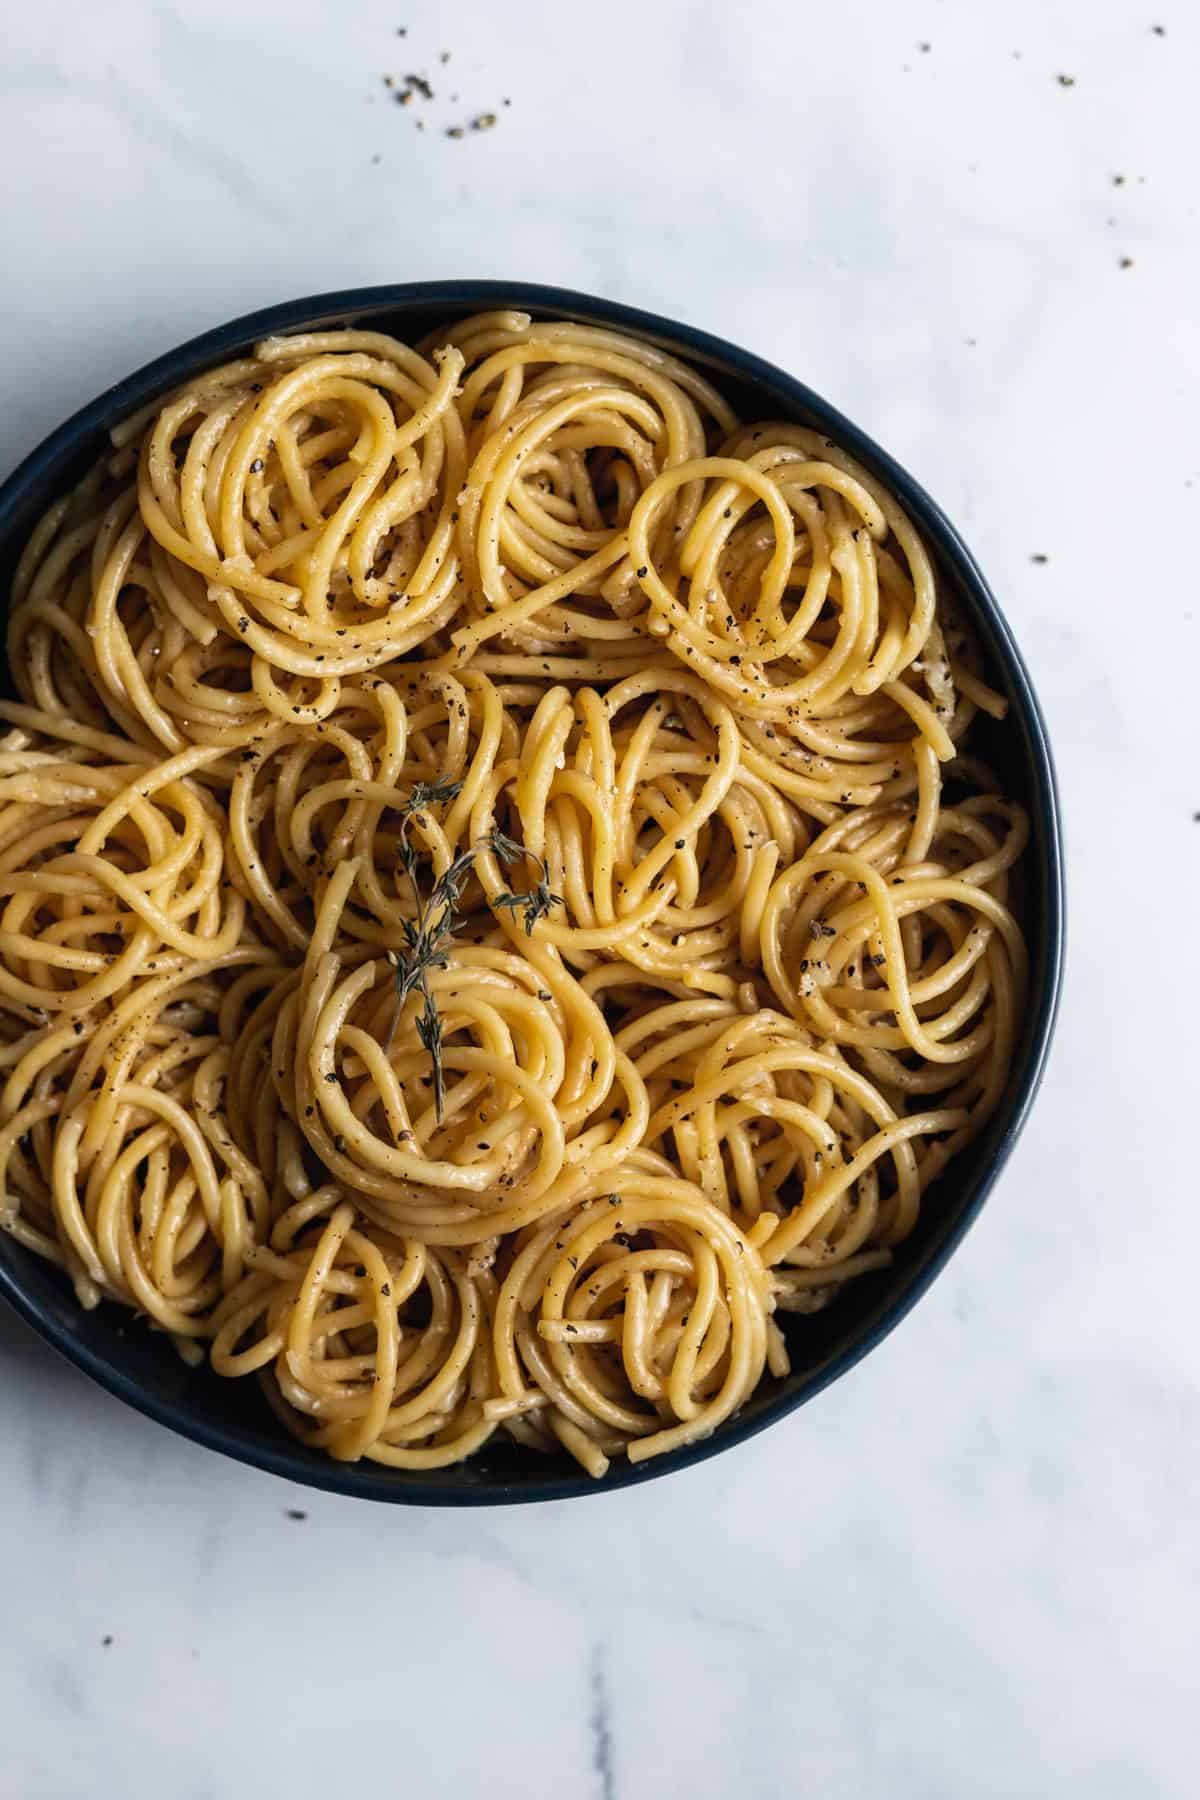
(322, 625)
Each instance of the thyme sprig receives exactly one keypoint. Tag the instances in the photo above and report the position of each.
(428, 936)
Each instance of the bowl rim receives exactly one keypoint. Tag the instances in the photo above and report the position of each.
(351, 306)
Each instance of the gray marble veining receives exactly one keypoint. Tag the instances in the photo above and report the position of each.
(969, 1571)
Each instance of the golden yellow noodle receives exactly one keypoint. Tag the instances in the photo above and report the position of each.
(700, 673)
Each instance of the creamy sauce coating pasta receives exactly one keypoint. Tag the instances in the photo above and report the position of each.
(699, 673)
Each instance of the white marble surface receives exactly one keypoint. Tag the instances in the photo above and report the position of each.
(969, 1571)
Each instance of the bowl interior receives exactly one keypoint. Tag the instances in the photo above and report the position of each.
(142, 1367)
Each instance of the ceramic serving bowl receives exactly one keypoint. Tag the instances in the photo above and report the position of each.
(140, 1366)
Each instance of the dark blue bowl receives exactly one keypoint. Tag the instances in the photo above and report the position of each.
(140, 1366)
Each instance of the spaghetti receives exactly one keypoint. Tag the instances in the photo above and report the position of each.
(337, 632)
